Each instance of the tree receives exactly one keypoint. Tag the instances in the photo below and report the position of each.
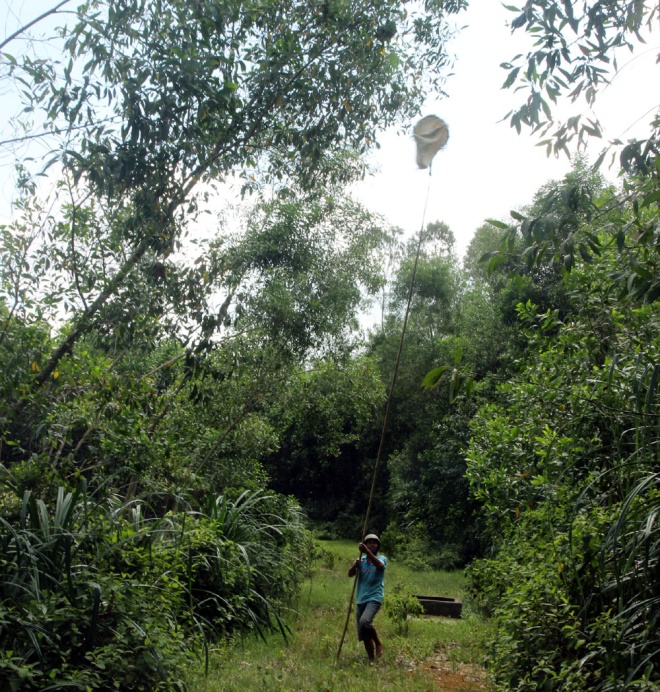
(302, 268)
(152, 105)
(427, 494)
(564, 459)
(327, 420)
(175, 382)
(157, 98)
(556, 231)
(486, 238)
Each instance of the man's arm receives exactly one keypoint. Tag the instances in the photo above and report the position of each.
(371, 557)
(354, 568)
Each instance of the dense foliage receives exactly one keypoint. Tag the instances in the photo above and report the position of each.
(565, 464)
(96, 594)
(151, 325)
(183, 385)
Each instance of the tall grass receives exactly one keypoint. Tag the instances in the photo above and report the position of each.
(94, 595)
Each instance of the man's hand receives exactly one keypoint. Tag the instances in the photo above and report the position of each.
(370, 556)
(353, 569)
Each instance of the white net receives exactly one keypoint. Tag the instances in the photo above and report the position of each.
(431, 134)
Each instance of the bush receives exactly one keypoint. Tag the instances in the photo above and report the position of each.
(69, 618)
(92, 595)
(564, 621)
(324, 557)
(417, 550)
(400, 605)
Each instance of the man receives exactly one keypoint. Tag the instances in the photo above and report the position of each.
(370, 568)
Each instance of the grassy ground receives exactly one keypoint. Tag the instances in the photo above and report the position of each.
(437, 653)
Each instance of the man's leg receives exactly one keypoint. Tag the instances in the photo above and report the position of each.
(366, 631)
(369, 646)
(379, 644)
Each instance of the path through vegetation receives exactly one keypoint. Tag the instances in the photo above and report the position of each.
(437, 653)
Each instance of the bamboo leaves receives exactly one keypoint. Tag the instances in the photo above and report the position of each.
(574, 55)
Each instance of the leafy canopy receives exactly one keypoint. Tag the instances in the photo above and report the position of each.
(575, 52)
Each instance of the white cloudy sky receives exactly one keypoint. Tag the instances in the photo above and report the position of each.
(486, 168)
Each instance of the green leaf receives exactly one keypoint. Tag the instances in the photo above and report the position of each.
(519, 21)
(621, 240)
(454, 385)
(487, 256)
(650, 198)
(433, 377)
(529, 254)
(653, 293)
(498, 224)
(584, 253)
(495, 263)
(594, 243)
(640, 269)
(511, 78)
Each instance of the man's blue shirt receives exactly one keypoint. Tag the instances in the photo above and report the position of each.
(371, 581)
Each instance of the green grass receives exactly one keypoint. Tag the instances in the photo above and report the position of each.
(308, 660)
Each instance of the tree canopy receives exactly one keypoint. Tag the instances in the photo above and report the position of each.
(576, 51)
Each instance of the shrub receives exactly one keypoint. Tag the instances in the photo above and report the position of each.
(69, 619)
(93, 595)
(416, 549)
(400, 606)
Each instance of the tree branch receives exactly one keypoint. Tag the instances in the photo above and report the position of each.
(247, 407)
(18, 32)
(168, 404)
(84, 322)
(73, 247)
(17, 288)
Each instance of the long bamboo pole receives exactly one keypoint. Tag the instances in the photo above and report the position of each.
(388, 408)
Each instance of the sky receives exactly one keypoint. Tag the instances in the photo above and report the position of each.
(486, 169)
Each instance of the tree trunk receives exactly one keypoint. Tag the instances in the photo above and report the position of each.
(85, 321)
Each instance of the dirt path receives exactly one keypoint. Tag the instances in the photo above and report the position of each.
(460, 677)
